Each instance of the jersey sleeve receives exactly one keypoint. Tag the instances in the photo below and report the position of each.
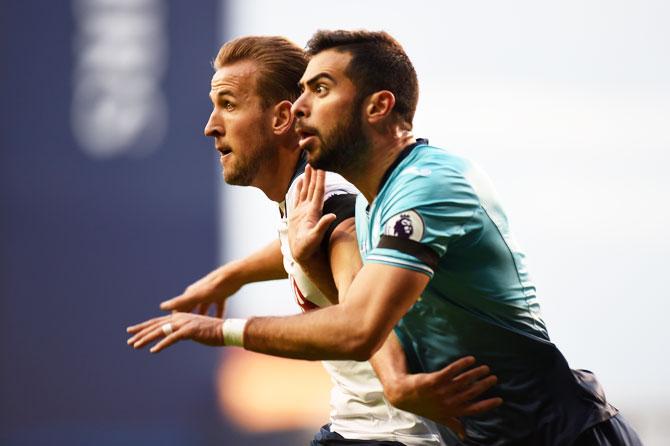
(339, 199)
(422, 213)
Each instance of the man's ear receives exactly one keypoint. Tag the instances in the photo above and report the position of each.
(282, 118)
(379, 105)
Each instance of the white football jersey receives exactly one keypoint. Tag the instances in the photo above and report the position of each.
(358, 409)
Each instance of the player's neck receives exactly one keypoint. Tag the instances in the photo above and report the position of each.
(275, 179)
(383, 152)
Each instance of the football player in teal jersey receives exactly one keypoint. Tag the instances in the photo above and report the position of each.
(441, 268)
(254, 84)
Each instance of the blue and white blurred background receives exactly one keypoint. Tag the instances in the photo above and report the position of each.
(112, 200)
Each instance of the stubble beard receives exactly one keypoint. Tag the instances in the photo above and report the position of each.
(246, 169)
(345, 149)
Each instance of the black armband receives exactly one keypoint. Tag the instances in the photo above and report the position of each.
(416, 249)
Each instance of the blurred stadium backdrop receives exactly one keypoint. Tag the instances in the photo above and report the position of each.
(112, 201)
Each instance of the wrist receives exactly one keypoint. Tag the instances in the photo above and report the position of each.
(398, 390)
(231, 274)
(306, 259)
(233, 332)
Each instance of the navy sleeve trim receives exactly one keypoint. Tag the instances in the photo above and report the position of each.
(411, 247)
(344, 207)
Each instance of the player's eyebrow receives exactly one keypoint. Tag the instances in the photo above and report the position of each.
(224, 92)
(216, 94)
(317, 78)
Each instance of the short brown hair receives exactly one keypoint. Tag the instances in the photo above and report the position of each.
(281, 63)
(378, 63)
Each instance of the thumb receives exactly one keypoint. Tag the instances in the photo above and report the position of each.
(177, 303)
(169, 304)
(323, 224)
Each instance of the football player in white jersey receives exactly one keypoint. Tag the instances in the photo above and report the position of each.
(255, 82)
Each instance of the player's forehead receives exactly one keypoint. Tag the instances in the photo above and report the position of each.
(330, 63)
(238, 77)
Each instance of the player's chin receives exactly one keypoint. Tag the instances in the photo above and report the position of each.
(309, 143)
(313, 154)
(315, 163)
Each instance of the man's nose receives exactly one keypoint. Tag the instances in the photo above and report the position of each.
(299, 108)
(214, 127)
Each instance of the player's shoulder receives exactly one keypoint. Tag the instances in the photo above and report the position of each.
(429, 179)
(336, 184)
(427, 168)
(425, 159)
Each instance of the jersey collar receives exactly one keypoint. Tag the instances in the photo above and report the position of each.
(401, 156)
(299, 168)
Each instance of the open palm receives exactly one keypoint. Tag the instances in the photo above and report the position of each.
(306, 225)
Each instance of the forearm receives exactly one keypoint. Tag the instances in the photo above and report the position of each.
(262, 265)
(327, 333)
(218, 285)
(318, 271)
(390, 364)
(334, 274)
(336, 332)
(353, 329)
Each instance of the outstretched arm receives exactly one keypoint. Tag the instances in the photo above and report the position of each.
(218, 285)
(377, 298)
(374, 302)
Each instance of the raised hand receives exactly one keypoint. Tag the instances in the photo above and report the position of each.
(217, 286)
(214, 288)
(306, 226)
(176, 327)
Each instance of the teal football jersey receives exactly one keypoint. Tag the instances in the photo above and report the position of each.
(438, 214)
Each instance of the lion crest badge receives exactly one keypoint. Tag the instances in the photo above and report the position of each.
(407, 225)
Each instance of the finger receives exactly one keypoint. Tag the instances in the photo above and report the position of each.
(153, 332)
(219, 309)
(305, 185)
(168, 341)
(297, 199)
(156, 333)
(481, 407)
(319, 186)
(456, 367)
(182, 302)
(478, 388)
(461, 387)
(323, 224)
(143, 333)
(311, 184)
(473, 375)
(142, 325)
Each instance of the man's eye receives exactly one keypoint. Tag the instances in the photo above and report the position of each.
(228, 106)
(320, 89)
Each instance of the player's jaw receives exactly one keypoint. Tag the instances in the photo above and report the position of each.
(241, 165)
(339, 149)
